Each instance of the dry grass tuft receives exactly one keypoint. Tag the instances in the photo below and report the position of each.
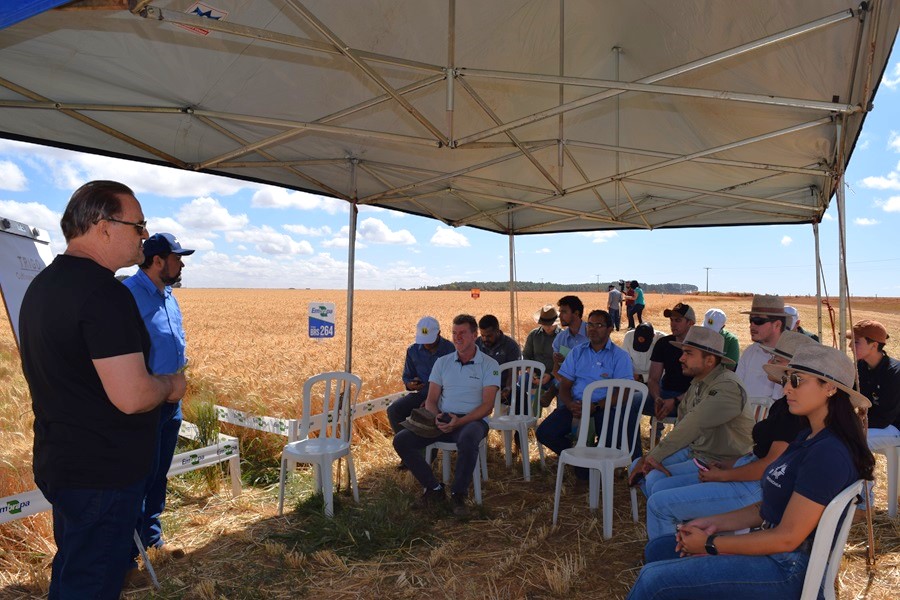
(563, 573)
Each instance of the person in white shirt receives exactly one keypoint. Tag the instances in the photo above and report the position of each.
(767, 322)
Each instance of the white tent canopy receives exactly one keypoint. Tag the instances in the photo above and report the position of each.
(515, 116)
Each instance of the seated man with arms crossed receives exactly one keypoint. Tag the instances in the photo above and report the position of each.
(461, 392)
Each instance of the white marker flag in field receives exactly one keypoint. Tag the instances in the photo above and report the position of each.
(321, 319)
(24, 252)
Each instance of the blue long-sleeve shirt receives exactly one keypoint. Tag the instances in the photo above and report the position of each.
(162, 317)
(420, 361)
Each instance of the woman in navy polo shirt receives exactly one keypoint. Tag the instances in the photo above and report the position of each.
(771, 560)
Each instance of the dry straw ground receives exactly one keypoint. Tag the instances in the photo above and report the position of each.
(249, 350)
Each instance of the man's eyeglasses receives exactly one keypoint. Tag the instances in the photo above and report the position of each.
(794, 379)
(597, 325)
(760, 320)
(140, 226)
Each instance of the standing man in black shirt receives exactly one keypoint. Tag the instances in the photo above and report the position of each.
(84, 355)
(666, 382)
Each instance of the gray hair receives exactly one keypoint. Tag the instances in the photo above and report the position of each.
(91, 203)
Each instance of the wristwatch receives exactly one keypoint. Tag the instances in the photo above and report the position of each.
(711, 545)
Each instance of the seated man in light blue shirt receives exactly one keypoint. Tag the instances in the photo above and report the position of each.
(596, 360)
(461, 392)
(571, 312)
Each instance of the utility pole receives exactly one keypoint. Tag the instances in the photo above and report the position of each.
(707, 279)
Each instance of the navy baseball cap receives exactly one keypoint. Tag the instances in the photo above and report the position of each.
(160, 244)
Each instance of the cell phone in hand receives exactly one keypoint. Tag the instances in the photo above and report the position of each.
(701, 464)
(445, 417)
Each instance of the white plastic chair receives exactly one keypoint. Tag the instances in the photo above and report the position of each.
(340, 393)
(759, 407)
(892, 454)
(521, 416)
(613, 449)
(653, 422)
(828, 545)
(446, 448)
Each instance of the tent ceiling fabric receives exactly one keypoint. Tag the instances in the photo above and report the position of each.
(501, 115)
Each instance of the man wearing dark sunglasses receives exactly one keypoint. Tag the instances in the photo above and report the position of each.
(96, 407)
(767, 319)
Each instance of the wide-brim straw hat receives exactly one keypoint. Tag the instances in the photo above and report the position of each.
(826, 363)
(546, 314)
(707, 340)
(788, 344)
(421, 422)
(767, 305)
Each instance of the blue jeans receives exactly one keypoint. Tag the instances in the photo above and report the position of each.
(94, 533)
(729, 576)
(672, 504)
(679, 463)
(409, 447)
(616, 317)
(149, 524)
(400, 409)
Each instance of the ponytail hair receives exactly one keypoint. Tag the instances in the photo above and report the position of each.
(843, 421)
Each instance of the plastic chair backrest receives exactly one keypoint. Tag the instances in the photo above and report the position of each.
(828, 545)
(340, 392)
(760, 406)
(522, 373)
(625, 402)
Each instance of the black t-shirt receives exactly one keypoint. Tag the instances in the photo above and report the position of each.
(881, 385)
(673, 379)
(73, 312)
(781, 425)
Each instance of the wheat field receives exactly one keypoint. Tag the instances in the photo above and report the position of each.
(248, 349)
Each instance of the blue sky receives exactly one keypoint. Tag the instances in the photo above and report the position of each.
(248, 235)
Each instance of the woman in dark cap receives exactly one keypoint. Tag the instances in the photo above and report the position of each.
(826, 457)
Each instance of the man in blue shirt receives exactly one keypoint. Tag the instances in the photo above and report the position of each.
(571, 311)
(461, 392)
(596, 360)
(420, 357)
(151, 287)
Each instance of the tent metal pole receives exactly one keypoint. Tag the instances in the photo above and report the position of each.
(818, 281)
(513, 309)
(842, 260)
(351, 268)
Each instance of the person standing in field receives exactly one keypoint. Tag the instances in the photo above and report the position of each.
(637, 309)
(461, 392)
(420, 358)
(96, 406)
(151, 287)
(614, 305)
(630, 296)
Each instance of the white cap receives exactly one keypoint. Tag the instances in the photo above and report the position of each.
(427, 330)
(714, 319)
(792, 318)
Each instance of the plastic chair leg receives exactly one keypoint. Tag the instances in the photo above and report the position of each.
(352, 469)
(526, 459)
(507, 447)
(445, 465)
(327, 487)
(634, 505)
(540, 447)
(559, 480)
(593, 489)
(282, 481)
(607, 476)
(482, 458)
(892, 455)
(476, 481)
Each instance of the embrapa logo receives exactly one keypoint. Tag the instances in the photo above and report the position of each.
(14, 507)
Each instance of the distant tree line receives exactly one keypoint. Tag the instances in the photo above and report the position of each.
(537, 286)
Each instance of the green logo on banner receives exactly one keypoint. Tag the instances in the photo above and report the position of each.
(14, 506)
(195, 459)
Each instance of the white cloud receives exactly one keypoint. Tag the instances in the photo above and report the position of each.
(310, 231)
(827, 217)
(35, 214)
(269, 241)
(864, 222)
(375, 231)
(892, 204)
(599, 237)
(11, 177)
(208, 213)
(542, 251)
(786, 241)
(68, 170)
(273, 197)
(863, 145)
(892, 79)
(342, 239)
(894, 141)
(448, 238)
(889, 182)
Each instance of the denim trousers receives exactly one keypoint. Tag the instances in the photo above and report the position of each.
(94, 533)
(670, 504)
(149, 524)
(409, 448)
(400, 409)
(678, 464)
(732, 576)
(616, 317)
